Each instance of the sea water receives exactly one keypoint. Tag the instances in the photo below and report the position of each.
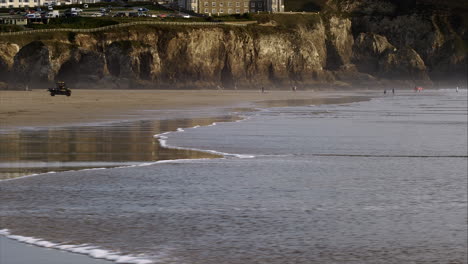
(381, 181)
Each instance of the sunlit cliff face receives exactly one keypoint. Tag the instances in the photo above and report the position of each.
(362, 51)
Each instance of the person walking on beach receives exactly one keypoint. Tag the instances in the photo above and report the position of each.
(457, 89)
(393, 90)
(385, 91)
(263, 89)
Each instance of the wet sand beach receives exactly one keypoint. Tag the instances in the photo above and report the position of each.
(38, 108)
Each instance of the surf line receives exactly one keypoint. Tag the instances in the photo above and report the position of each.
(85, 249)
(163, 137)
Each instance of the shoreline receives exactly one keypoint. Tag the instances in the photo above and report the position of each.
(33, 109)
(246, 104)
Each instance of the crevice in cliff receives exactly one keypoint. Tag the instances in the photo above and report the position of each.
(146, 60)
(227, 79)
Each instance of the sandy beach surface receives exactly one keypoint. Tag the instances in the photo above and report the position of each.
(38, 108)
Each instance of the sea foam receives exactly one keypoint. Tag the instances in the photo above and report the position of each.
(92, 251)
(163, 142)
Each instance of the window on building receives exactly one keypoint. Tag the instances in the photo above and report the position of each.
(252, 10)
(230, 11)
(205, 4)
(260, 4)
(246, 4)
(26, 1)
(11, 1)
(213, 4)
(206, 10)
(213, 11)
(252, 4)
(221, 10)
(221, 4)
(237, 10)
(237, 4)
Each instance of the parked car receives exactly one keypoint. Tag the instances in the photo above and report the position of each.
(70, 13)
(53, 14)
(33, 15)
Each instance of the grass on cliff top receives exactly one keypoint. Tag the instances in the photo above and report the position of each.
(10, 28)
(304, 5)
(76, 22)
(289, 20)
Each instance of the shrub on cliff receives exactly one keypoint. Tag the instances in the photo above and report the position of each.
(77, 22)
(10, 28)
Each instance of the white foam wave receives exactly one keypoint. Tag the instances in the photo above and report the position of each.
(92, 251)
(27, 176)
(162, 138)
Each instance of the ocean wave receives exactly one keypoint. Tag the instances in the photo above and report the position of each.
(92, 251)
(163, 142)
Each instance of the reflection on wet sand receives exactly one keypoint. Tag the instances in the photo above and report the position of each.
(26, 152)
(314, 101)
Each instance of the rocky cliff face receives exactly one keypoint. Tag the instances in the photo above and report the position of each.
(335, 50)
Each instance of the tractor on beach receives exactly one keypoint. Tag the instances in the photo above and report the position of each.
(61, 88)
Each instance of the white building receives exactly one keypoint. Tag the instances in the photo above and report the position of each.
(35, 3)
(227, 7)
(18, 3)
(275, 5)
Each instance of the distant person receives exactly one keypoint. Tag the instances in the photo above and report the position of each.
(457, 89)
(263, 89)
(294, 88)
(385, 91)
(393, 90)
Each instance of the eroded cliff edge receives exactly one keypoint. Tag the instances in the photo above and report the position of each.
(312, 51)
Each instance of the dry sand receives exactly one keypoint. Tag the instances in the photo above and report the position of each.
(38, 108)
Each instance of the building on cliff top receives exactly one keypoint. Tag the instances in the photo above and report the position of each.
(35, 3)
(229, 7)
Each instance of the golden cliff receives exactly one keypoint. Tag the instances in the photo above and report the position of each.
(326, 51)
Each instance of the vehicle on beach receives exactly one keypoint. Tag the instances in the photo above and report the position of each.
(61, 88)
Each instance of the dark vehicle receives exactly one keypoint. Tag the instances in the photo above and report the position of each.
(61, 88)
